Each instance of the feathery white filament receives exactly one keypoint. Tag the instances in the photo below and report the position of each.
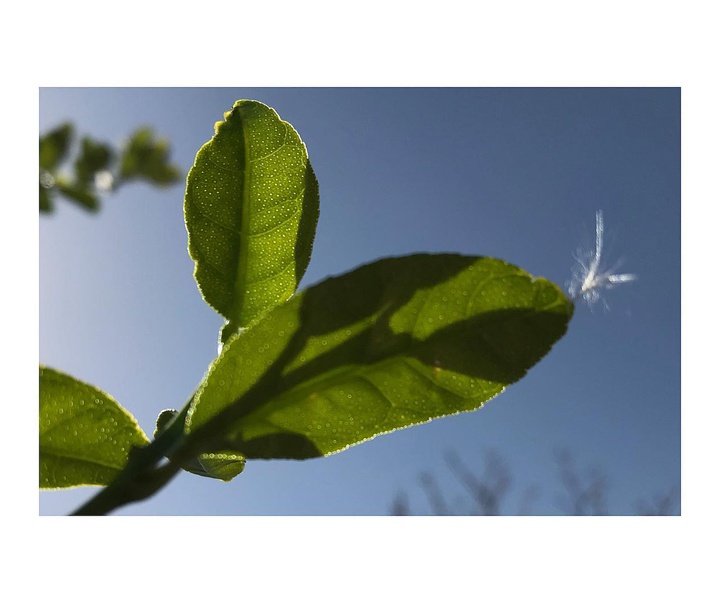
(588, 278)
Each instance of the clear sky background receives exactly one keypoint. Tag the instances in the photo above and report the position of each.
(512, 173)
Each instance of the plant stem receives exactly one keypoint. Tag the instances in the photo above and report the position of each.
(129, 487)
(142, 476)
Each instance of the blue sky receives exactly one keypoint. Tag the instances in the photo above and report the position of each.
(512, 173)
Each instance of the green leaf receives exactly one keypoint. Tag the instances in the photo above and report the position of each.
(224, 466)
(218, 465)
(82, 196)
(46, 204)
(389, 345)
(251, 207)
(53, 149)
(54, 146)
(146, 157)
(85, 435)
(94, 157)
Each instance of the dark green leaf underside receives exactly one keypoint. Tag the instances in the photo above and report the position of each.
(391, 344)
(85, 435)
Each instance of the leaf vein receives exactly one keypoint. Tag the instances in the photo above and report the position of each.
(208, 217)
(273, 275)
(278, 225)
(73, 417)
(476, 291)
(46, 450)
(284, 142)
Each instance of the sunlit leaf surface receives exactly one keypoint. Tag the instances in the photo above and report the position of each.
(251, 206)
(220, 465)
(85, 435)
(391, 344)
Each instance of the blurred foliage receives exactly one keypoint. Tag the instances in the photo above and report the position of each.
(146, 157)
(94, 157)
(98, 167)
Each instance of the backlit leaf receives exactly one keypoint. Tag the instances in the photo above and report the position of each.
(391, 344)
(85, 435)
(251, 207)
(224, 466)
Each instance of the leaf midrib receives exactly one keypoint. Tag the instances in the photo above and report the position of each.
(241, 270)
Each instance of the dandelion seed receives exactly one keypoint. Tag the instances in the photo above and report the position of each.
(589, 277)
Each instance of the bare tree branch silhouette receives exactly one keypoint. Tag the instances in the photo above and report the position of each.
(581, 492)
